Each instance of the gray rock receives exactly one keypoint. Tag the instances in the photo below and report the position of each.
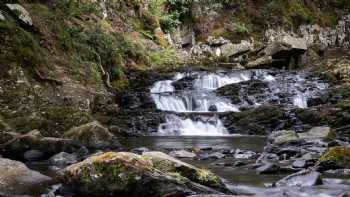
(182, 154)
(299, 164)
(63, 159)
(32, 155)
(304, 178)
(285, 46)
(17, 179)
(283, 136)
(216, 155)
(239, 154)
(23, 13)
(260, 62)
(316, 133)
(2, 17)
(230, 49)
(267, 168)
(338, 172)
(216, 42)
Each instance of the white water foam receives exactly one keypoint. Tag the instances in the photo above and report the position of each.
(215, 81)
(204, 127)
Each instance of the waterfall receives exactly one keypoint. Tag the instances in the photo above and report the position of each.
(185, 126)
(162, 86)
(215, 81)
(300, 100)
(191, 103)
(281, 88)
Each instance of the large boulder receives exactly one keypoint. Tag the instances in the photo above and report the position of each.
(168, 164)
(229, 49)
(33, 140)
(93, 135)
(285, 47)
(17, 179)
(126, 174)
(314, 133)
(283, 136)
(336, 157)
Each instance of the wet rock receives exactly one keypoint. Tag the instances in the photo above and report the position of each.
(231, 92)
(21, 12)
(299, 164)
(93, 135)
(126, 174)
(17, 179)
(184, 83)
(63, 159)
(258, 121)
(304, 178)
(182, 154)
(140, 150)
(32, 155)
(213, 108)
(240, 154)
(216, 155)
(169, 164)
(268, 168)
(317, 133)
(338, 172)
(283, 136)
(336, 157)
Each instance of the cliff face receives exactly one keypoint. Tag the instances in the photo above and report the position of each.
(62, 61)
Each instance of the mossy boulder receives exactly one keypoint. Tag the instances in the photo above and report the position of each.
(93, 135)
(336, 157)
(283, 137)
(126, 174)
(168, 164)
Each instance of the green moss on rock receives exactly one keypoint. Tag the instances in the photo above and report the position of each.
(338, 157)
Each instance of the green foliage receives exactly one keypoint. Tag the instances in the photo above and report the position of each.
(241, 28)
(19, 47)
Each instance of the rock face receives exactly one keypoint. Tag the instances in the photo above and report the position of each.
(17, 179)
(22, 13)
(126, 174)
(93, 135)
(168, 164)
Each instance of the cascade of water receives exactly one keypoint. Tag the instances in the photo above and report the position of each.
(162, 86)
(215, 81)
(279, 88)
(204, 127)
